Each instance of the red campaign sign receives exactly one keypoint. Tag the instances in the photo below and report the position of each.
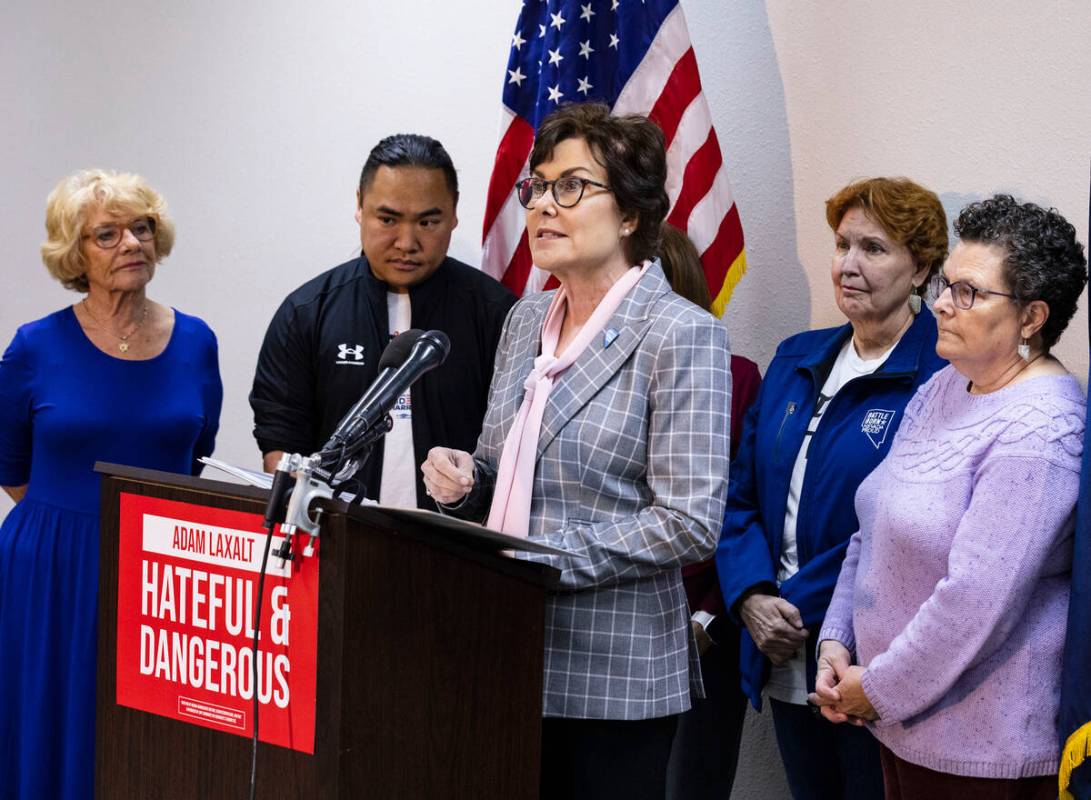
(187, 586)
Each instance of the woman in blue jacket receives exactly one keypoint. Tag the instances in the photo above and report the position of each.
(824, 418)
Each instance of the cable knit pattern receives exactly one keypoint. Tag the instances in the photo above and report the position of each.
(954, 593)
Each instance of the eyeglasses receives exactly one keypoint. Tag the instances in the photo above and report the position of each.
(962, 293)
(109, 236)
(567, 191)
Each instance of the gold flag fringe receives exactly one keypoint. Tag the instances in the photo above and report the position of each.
(731, 280)
(1076, 749)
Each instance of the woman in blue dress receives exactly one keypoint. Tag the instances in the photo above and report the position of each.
(115, 377)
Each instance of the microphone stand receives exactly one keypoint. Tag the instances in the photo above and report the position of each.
(315, 476)
(318, 475)
(321, 474)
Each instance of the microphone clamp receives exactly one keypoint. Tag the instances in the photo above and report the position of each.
(308, 487)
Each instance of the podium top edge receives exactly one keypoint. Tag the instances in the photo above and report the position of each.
(543, 574)
(110, 470)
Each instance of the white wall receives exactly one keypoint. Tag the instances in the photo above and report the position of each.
(253, 119)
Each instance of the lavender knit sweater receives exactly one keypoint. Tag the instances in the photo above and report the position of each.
(954, 592)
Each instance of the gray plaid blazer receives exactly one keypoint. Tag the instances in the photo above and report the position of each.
(632, 473)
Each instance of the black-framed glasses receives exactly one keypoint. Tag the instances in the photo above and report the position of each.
(109, 236)
(567, 191)
(962, 293)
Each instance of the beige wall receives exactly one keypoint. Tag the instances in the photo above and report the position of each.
(968, 99)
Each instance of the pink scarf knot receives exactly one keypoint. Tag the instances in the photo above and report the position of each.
(510, 511)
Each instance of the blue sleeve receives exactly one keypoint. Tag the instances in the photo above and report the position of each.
(811, 589)
(743, 557)
(16, 372)
(212, 402)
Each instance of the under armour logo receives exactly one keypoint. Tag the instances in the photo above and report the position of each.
(355, 353)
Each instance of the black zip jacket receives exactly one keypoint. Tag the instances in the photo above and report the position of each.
(322, 351)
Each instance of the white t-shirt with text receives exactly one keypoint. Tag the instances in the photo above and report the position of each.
(399, 479)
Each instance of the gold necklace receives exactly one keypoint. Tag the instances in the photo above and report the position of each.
(122, 341)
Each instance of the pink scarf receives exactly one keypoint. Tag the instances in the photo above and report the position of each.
(510, 510)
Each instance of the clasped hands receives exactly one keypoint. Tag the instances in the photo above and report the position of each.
(838, 692)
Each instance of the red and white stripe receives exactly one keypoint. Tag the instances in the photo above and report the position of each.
(666, 87)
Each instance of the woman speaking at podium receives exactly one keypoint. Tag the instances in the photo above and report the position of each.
(115, 377)
(607, 436)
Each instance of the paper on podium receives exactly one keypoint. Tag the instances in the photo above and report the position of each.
(264, 480)
(506, 541)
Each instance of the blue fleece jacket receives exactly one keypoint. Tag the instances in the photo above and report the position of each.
(855, 433)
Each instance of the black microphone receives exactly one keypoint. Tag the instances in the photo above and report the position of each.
(395, 354)
(428, 351)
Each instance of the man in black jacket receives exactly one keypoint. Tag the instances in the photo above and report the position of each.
(322, 348)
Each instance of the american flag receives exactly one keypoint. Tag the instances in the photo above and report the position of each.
(635, 56)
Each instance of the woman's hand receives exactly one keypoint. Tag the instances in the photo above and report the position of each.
(775, 626)
(834, 660)
(854, 702)
(704, 641)
(448, 474)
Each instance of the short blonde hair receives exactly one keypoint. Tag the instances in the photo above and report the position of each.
(75, 197)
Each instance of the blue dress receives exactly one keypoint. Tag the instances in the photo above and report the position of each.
(64, 404)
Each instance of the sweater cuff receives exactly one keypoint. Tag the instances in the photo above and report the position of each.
(837, 634)
(878, 702)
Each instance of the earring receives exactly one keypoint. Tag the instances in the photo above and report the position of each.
(915, 303)
(1024, 350)
(625, 231)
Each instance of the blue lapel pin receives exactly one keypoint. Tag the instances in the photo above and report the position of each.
(608, 337)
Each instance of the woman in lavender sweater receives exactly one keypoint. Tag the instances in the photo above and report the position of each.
(947, 625)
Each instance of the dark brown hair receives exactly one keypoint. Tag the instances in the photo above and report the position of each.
(682, 265)
(630, 149)
(909, 213)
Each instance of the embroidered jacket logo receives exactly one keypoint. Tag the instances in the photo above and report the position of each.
(876, 425)
(352, 356)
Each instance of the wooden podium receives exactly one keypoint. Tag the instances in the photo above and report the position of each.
(429, 667)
